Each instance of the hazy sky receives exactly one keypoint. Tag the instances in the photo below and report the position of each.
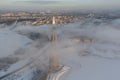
(59, 4)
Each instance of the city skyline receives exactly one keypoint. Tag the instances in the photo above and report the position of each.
(59, 4)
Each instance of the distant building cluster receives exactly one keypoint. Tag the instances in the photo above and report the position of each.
(41, 18)
(55, 20)
(38, 19)
(20, 14)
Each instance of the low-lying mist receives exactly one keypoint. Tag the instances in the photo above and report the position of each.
(83, 38)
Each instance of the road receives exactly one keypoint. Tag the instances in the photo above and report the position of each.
(59, 74)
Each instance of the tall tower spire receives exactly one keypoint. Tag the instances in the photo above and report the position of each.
(53, 20)
(53, 35)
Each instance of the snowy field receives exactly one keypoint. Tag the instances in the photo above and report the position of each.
(91, 51)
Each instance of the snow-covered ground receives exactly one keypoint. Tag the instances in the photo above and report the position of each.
(10, 42)
(88, 65)
(97, 60)
(91, 51)
(14, 45)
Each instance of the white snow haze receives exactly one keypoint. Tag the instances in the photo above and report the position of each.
(91, 51)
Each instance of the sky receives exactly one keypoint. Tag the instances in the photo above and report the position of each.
(59, 4)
